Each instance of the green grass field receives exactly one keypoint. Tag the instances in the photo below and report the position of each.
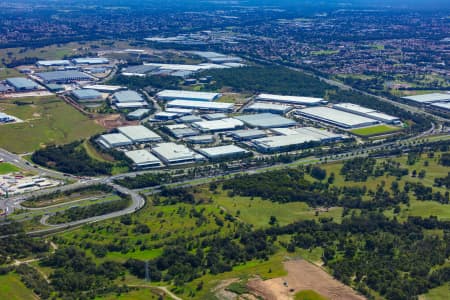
(6, 168)
(140, 294)
(12, 288)
(438, 293)
(7, 72)
(47, 120)
(308, 295)
(375, 130)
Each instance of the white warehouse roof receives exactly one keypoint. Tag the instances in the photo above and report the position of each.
(201, 105)
(187, 95)
(113, 140)
(337, 117)
(172, 153)
(127, 96)
(218, 125)
(222, 151)
(353, 108)
(429, 98)
(139, 134)
(143, 158)
(290, 99)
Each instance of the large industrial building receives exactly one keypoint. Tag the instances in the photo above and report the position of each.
(180, 130)
(248, 134)
(259, 107)
(218, 125)
(87, 95)
(104, 88)
(22, 84)
(221, 152)
(296, 100)
(173, 154)
(53, 63)
(168, 95)
(367, 112)
(114, 140)
(200, 139)
(64, 76)
(139, 134)
(128, 99)
(266, 120)
(201, 105)
(336, 117)
(429, 98)
(140, 70)
(138, 114)
(90, 61)
(292, 139)
(143, 159)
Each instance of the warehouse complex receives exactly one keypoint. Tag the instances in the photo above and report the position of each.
(218, 125)
(336, 117)
(367, 112)
(114, 140)
(429, 98)
(168, 95)
(259, 107)
(128, 99)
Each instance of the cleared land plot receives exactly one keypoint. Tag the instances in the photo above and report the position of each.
(7, 72)
(308, 295)
(47, 120)
(12, 288)
(375, 130)
(6, 168)
(302, 275)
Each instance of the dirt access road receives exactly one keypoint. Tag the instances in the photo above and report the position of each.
(302, 275)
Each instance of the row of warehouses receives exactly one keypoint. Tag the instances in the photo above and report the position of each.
(437, 101)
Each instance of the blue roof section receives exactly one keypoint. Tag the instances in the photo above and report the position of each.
(63, 76)
(266, 120)
(22, 83)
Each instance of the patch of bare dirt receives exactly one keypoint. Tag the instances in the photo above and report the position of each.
(302, 275)
(113, 121)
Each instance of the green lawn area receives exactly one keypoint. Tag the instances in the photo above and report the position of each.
(438, 293)
(375, 130)
(257, 211)
(140, 294)
(12, 288)
(308, 295)
(47, 120)
(6, 168)
(325, 52)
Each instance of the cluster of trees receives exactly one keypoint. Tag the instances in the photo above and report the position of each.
(443, 181)
(82, 190)
(137, 82)
(268, 79)
(358, 169)
(80, 213)
(34, 280)
(76, 276)
(187, 260)
(445, 159)
(370, 251)
(71, 158)
(14, 244)
(144, 180)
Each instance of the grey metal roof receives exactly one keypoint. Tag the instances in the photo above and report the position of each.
(86, 94)
(127, 96)
(64, 75)
(139, 133)
(22, 83)
(222, 151)
(266, 120)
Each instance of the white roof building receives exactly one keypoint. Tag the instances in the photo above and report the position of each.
(143, 159)
(218, 125)
(201, 105)
(297, 100)
(171, 154)
(429, 98)
(268, 107)
(53, 63)
(223, 152)
(187, 95)
(139, 134)
(366, 112)
(336, 117)
(114, 140)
